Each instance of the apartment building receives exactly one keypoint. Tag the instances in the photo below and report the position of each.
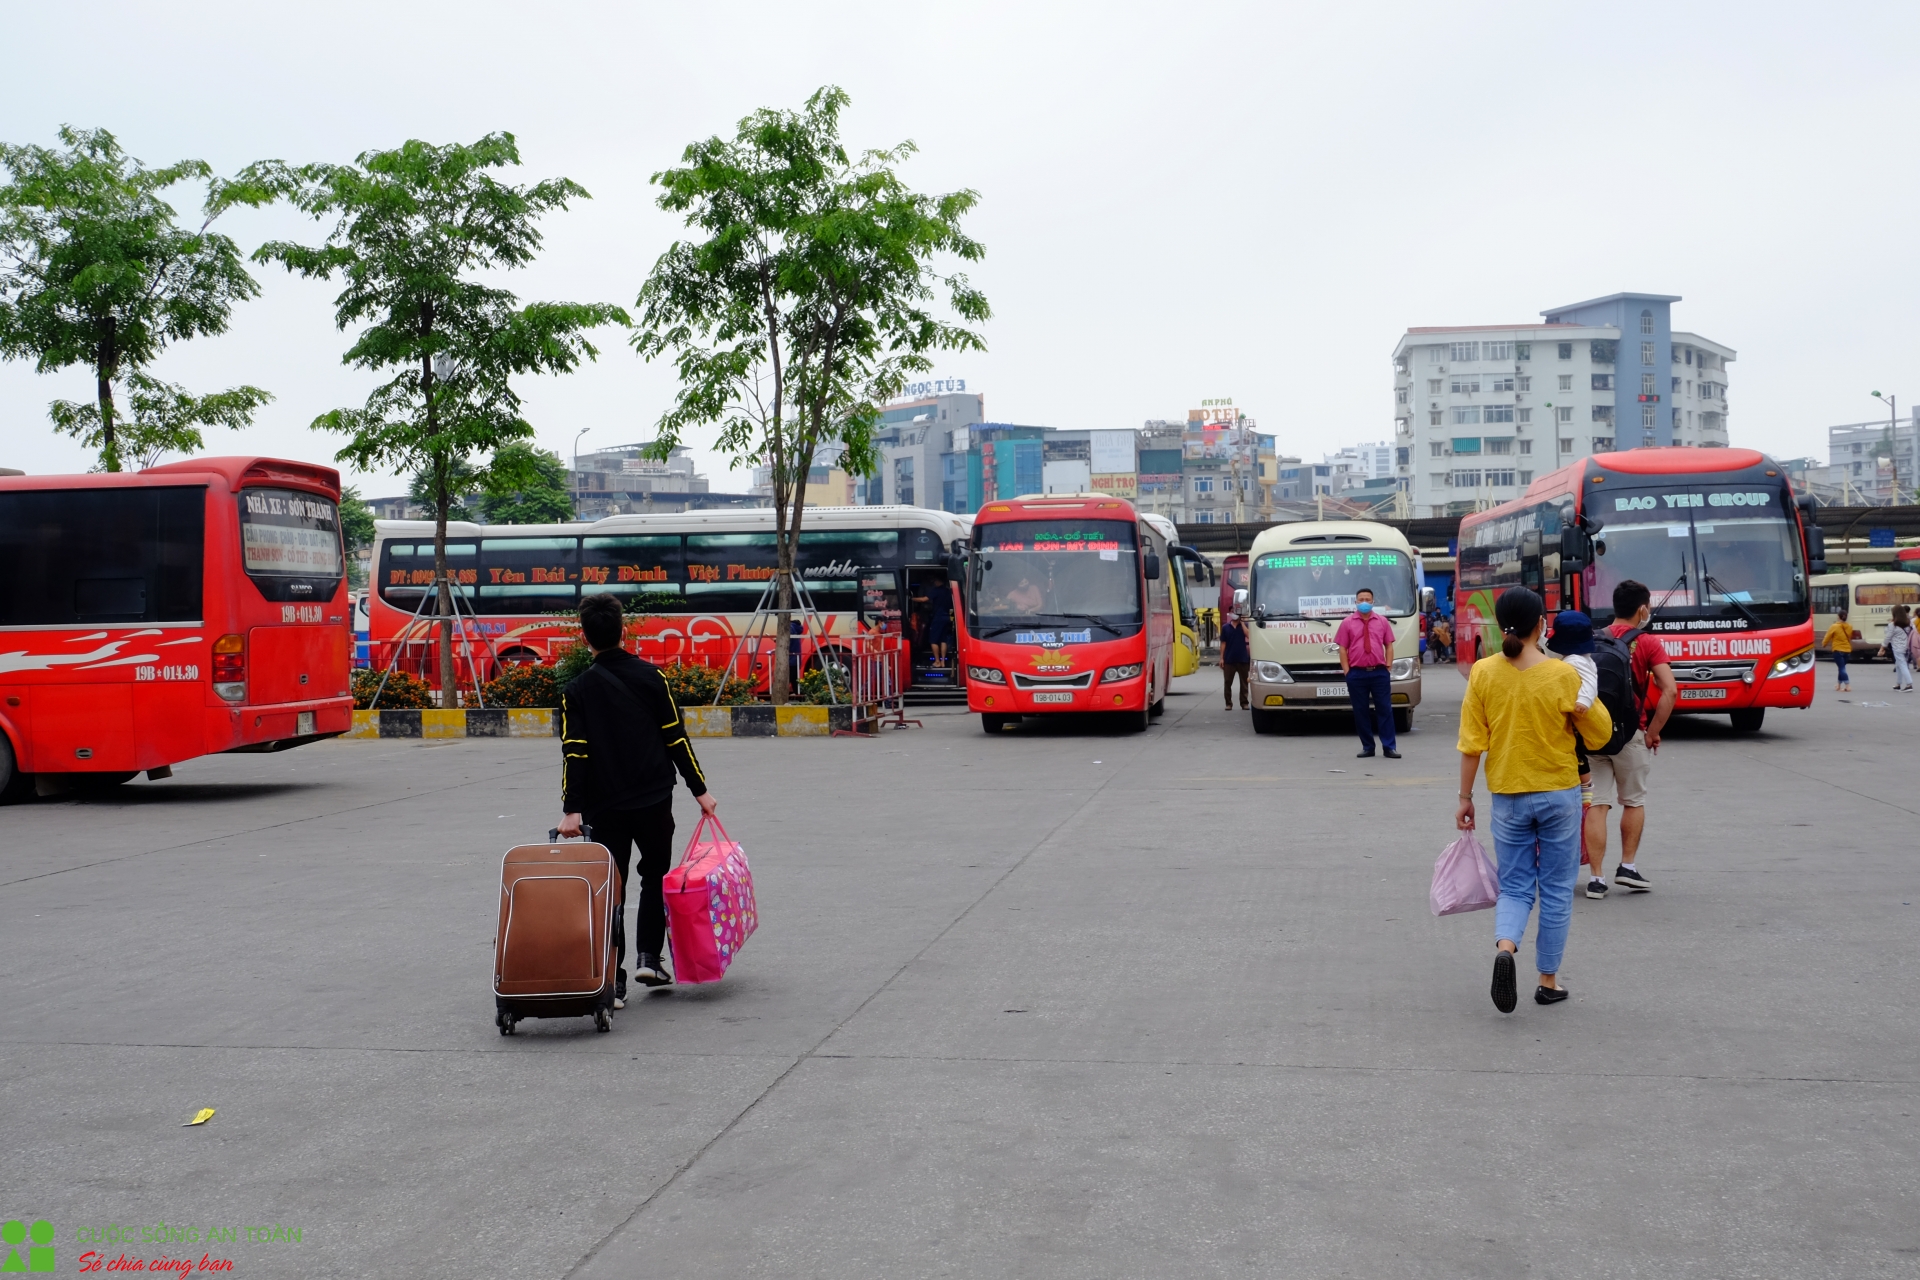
(1480, 411)
(1864, 457)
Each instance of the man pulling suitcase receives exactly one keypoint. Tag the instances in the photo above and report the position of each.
(621, 738)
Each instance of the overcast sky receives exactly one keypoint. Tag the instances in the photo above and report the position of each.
(1178, 201)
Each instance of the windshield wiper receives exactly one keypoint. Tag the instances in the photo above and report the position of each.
(1710, 582)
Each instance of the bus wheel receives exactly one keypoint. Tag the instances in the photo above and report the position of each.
(1267, 721)
(1747, 719)
(1133, 721)
(14, 785)
(1402, 719)
(993, 723)
(1158, 708)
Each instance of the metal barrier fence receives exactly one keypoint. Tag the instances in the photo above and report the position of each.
(866, 672)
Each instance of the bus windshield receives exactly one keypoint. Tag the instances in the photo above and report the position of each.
(1322, 584)
(1734, 556)
(1078, 573)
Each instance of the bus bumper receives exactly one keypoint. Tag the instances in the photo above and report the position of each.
(1300, 695)
(276, 727)
(1000, 699)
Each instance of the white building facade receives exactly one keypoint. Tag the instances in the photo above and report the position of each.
(1481, 411)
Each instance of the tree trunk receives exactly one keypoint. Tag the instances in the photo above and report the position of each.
(103, 377)
(449, 695)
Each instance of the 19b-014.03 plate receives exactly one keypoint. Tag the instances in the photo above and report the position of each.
(1053, 695)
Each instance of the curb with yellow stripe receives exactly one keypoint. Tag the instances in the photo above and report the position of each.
(517, 722)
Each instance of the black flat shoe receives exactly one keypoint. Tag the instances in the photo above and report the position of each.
(1363, 755)
(1506, 991)
(1391, 755)
(1550, 995)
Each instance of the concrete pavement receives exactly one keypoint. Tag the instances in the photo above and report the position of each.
(1059, 1003)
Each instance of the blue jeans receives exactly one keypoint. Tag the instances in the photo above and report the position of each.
(1536, 839)
(1840, 668)
(1372, 696)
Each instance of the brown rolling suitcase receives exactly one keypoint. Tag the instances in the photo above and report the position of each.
(553, 954)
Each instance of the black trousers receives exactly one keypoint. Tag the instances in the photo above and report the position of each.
(651, 830)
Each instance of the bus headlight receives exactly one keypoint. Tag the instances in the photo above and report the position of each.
(1794, 663)
(1402, 668)
(1127, 672)
(1272, 673)
(987, 675)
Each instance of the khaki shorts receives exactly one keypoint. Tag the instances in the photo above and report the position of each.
(1626, 773)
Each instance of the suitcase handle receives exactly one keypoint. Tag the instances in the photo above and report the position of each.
(553, 833)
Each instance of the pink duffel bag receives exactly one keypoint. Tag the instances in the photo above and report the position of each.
(710, 912)
(1464, 878)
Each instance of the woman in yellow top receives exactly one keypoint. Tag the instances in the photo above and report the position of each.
(1839, 642)
(1521, 712)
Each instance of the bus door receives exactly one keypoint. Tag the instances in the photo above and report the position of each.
(929, 624)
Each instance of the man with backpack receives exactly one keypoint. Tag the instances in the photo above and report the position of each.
(1637, 687)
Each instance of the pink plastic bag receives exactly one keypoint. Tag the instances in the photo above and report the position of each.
(1464, 878)
(710, 911)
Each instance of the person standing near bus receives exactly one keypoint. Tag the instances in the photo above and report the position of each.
(1522, 712)
(1626, 772)
(1366, 651)
(1236, 656)
(1839, 642)
(621, 738)
(1900, 644)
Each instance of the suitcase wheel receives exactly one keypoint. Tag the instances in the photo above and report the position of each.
(602, 1020)
(505, 1021)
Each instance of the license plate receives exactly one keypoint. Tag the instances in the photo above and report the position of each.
(1053, 697)
(1330, 691)
(1702, 695)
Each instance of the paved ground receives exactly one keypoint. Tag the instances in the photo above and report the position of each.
(1059, 1004)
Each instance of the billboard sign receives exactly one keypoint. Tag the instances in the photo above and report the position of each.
(1113, 451)
(1120, 484)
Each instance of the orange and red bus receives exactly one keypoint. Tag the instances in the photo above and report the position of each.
(1066, 607)
(869, 570)
(1718, 538)
(150, 617)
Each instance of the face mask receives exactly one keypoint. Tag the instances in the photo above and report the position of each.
(1365, 606)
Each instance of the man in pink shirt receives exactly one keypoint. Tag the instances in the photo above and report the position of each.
(1366, 652)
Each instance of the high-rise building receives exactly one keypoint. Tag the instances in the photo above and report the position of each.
(1480, 411)
(1864, 457)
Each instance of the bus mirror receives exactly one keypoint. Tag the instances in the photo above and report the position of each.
(1816, 549)
(1426, 600)
(1239, 599)
(1576, 549)
(1153, 566)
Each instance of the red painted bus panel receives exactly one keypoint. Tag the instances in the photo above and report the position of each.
(296, 664)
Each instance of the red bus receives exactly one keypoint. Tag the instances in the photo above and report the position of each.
(869, 570)
(1067, 607)
(150, 617)
(1716, 535)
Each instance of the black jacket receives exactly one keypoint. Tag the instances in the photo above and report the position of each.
(621, 738)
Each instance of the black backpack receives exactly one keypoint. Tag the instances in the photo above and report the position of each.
(1613, 664)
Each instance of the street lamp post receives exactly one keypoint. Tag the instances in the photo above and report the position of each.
(576, 470)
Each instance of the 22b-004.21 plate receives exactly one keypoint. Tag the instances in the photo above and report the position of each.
(1702, 695)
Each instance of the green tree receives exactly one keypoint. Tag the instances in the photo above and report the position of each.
(525, 485)
(805, 307)
(356, 520)
(461, 483)
(96, 272)
(418, 234)
(162, 418)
